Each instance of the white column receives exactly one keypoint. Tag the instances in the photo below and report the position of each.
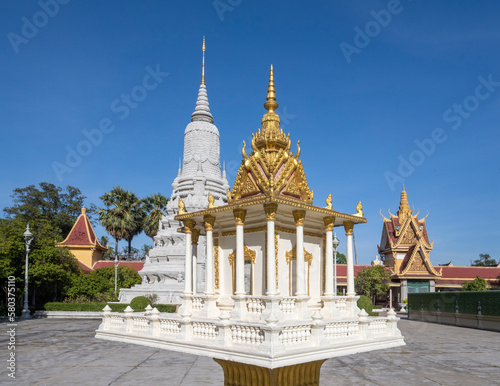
(209, 262)
(270, 210)
(188, 277)
(194, 241)
(349, 230)
(239, 215)
(299, 216)
(329, 279)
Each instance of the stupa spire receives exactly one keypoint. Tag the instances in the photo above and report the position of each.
(203, 65)
(202, 110)
(404, 208)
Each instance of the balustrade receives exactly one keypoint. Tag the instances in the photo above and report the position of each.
(295, 334)
(247, 334)
(338, 330)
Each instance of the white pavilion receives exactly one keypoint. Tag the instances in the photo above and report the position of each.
(269, 314)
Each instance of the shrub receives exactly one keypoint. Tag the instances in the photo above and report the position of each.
(139, 303)
(97, 306)
(365, 303)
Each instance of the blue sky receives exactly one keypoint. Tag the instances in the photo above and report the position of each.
(377, 92)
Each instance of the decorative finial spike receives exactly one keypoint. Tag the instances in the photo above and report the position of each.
(271, 103)
(203, 65)
(83, 210)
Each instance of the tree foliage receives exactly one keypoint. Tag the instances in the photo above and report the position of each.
(153, 206)
(123, 216)
(101, 282)
(485, 260)
(48, 203)
(341, 259)
(478, 284)
(51, 212)
(372, 281)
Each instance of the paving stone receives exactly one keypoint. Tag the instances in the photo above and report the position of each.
(65, 352)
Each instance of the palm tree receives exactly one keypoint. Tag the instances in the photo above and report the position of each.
(122, 218)
(153, 207)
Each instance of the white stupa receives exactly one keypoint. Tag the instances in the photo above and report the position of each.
(199, 175)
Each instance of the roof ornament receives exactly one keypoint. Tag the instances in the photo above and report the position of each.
(329, 201)
(182, 207)
(385, 218)
(211, 200)
(271, 137)
(359, 210)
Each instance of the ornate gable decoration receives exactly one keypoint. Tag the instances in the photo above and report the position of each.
(249, 255)
(271, 168)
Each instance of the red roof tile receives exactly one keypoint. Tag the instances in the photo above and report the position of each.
(470, 272)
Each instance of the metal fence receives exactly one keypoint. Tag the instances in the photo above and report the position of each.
(460, 302)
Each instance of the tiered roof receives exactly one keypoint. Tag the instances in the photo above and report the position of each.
(82, 234)
(407, 233)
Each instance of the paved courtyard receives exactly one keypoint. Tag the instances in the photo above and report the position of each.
(65, 352)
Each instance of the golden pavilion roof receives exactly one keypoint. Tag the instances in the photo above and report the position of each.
(271, 169)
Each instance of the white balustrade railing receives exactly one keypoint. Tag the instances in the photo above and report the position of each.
(116, 321)
(205, 330)
(338, 330)
(378, 326)
(287, 305)
(295, 334)
(198, 303)
(169, 327)
(247, 334)
(140, 323)
(341, 303)
(255, 305)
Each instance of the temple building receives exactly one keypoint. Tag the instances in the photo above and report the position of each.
(405, 249)
(199, 180)
(268, 312)
(83, 244)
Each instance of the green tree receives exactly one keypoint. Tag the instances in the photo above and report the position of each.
(100, 284)
(478, 284)
(59, 207)
(341, 259)
(153, 206)
(123, 216)
(484, 261)
(51, 212)
(372, 281)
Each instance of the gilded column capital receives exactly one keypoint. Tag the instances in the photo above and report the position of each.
(270, 209)
(209, 222)
(188, 225)
(195, 236)
(299, 216)
(329, 223)
(239, 216)
(349, 228)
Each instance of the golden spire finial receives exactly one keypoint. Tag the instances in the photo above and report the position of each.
(84, 210)
(271, 103)
(203, 65)
(404, 208)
